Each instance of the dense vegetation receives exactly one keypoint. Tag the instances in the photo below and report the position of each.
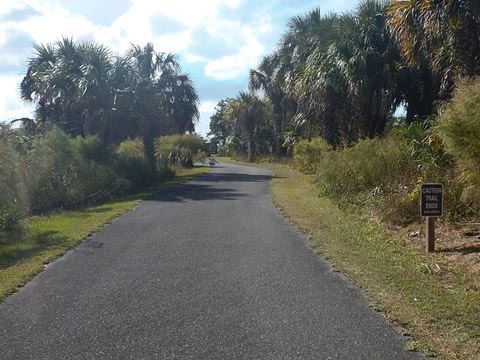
(104, 125)
(331, 89)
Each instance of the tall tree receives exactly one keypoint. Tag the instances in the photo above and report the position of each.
(84, 90)
(219, 124)
(371, 66)
(343, 72)
(245, 113)
(444, 34)
(263, 79)
(71, 85)
(163, 99)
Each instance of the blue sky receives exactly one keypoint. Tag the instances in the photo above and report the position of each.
(217, 41)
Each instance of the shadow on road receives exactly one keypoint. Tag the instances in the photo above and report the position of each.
(197, 192)
(205, 188)
(232, 177)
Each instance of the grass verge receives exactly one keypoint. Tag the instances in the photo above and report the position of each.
(435, 303)
(45, 238)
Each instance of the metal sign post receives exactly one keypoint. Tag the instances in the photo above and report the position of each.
(431, 206)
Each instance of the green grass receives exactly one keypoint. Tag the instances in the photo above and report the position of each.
(47, 237)
(438, 305)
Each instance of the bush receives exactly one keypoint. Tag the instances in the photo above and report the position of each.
(383, 173)
(10, 217)
(13, 194)
(95, 176)
(368, 165)
(92, 148)
(51, 171)
(131, 167)
(66, 173)
(130, 149)
(307, 155)
(180, 150)
(459, 128)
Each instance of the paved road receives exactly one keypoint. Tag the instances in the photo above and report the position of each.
(208, 270)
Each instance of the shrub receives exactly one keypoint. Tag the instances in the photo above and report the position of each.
(307, 155)
(10, 217)
(459, 128)
(180, 150)
(66, 173)
(95, 177)
(383, 173)
(14, 202)
(130, 148)
(92, 148)
(131, 167)
(51, 171)
(368, 165)
(92, 182)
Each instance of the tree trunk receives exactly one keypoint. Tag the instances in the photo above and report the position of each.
(277, 119)
(249, 147)
(149, 153)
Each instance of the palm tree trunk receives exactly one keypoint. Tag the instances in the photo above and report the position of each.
(149, 153)
(277, 120)
(249, 147)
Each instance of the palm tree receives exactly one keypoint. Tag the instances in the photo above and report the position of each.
(347, 89)
(416, 88)
(36, 85)
(163, 100)
(29, 126)
(309, 79)
(372, 66)
(71, 85)
(444, 34)
(263, 79)
(96, 89)
(245, 113)
(324, 105)
(182, 104)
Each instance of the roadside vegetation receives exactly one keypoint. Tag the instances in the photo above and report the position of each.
(430, 299)
(369, 105)
(107, 130)
(330, 94)
(43, 238)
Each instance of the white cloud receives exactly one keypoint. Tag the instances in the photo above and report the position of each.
(53, 23)
(134, 26)
(225, 37)
(207, 108)
(174, 43)
(11, 106)
(233, 66)
(193, 58)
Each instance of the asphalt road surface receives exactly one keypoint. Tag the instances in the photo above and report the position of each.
(208, 270)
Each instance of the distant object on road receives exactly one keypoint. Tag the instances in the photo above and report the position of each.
(210, 148)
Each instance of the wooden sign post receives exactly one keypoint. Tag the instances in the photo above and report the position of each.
(431, 206)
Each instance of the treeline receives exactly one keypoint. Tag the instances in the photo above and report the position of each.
(104, 124)
(343, 77)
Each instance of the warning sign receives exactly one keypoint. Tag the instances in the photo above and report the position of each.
(431, 200)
